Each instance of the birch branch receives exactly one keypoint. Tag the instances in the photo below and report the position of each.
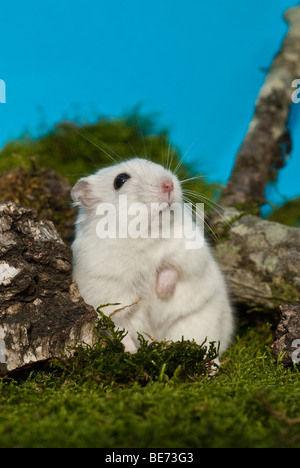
(267, 143)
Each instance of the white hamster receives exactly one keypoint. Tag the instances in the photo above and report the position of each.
(173, 291)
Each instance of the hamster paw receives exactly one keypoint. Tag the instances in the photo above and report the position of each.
(166, 282)
(129, 345)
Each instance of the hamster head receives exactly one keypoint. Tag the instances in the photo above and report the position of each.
(141, 180)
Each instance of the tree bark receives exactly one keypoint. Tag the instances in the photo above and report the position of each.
(41, 311)
(267, 142)
(287, 337)
(261, 261)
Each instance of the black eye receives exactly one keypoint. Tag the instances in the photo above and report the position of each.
(120, 180)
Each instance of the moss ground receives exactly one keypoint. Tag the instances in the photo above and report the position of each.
(107, 398)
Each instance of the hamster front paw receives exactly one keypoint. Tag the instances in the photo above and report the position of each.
(166, 282)
(129, 345)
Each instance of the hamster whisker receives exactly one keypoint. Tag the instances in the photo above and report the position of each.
(172, 157)
(182, 159)
(143, 140)
(205, 199)
(99, 147)
(199, 176)
(163, 152)
(179, 164)
(209, 225)
(202, 197)
(212, 204)
(132, 149)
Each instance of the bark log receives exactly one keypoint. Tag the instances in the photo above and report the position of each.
(41, 311)
(287, 337)
(267, 142)
(261, 261)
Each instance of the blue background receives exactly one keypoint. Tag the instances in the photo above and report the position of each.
(197, 64)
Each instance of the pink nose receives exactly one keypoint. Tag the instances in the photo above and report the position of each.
(167, 186)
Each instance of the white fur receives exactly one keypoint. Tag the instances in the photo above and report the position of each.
(125, 270)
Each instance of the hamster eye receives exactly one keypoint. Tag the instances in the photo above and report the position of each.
(120, 180)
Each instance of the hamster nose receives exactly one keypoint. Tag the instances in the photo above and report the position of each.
(167, 186)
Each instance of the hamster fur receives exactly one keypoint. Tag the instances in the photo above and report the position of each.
(176, 292)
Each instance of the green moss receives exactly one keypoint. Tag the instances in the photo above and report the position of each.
(282, 291)
(43, 191)
(251, 402)
(108, 364)
(75, 151)
(288, 214)
(229, 253)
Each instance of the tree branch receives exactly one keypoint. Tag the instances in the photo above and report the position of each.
(267, 141)
(261, 261)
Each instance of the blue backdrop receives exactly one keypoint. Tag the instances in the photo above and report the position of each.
(198, 64)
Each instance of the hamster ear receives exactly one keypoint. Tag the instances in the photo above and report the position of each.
(82, 193)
